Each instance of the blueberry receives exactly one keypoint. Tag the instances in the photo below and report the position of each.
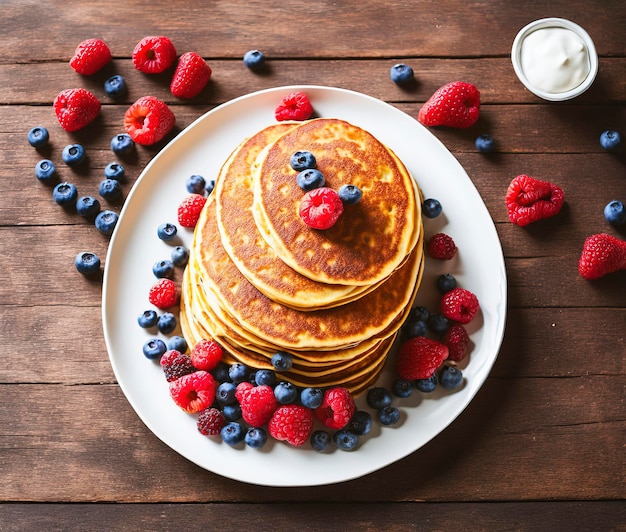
(154, 348)
(302, 160)
(106, 222)
(389, 415)
(610, 139)
(65, 194)
(114, 171)
(282, 361)
(426, 385)
(180, 256)
(167, 231)
(378, 398)
(238, 372)
(115, 86)
(210, 185)
(310, 179)
(438, 323)
(73, 154)
(232, 412)
(148, 319)
(110, 190)
(614, 213)
(285, 393)
(446, 282)
(350, 194)
(167, 323)
(311, 397)
(87, 206)
(345, 440)
(195, 184)
(485, 143)
(361, 423)
(163, 269)
(38, 137)
(419, 314)
(411, 329)
(255, 437)
(122, 143)
(87, 262)
(320, 440)
(177, 343)
(451, 377)
(254, 59)
(431, 208)
(225, 393)
(265, 376)
(402, 388)
(232, 433)
(45, 170)
(401, 74)
(220, 373)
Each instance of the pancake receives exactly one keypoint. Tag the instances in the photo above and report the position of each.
(254, 258)
(370, 239)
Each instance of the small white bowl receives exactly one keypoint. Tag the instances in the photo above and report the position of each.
(592, 57)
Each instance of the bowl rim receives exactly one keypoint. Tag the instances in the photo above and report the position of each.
(555, 22)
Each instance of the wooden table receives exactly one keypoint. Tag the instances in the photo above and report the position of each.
(542, 444)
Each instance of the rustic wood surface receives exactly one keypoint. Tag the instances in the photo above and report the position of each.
(542, 445)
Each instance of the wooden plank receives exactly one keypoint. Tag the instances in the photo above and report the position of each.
(341, 29)
(319, 515)
(568, 432)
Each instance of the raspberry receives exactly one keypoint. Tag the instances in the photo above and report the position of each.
(441, 247)
(191, 76)
(529, 200)
(163, 294)
(148, 120)
(206, 355)
(457, 341)
(602, 254)
(459, 305)
(210, 421)
(257, 405)
(76, 108)
(90, 56)
(294, 106)
(456, 104)
(153, 55)
(175, 364)
(419, 358)
(189, 210)
(336, 409)
(193, 392)
(320, 208)
(242, 391)
(291, 423)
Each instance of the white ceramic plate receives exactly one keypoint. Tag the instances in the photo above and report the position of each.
(201, 149)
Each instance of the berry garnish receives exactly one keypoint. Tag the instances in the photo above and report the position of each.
(345, 440)
(180, 255)
(320, 208)
(175, 364)
(76, 108)
(106, 221)
(232, 433)
(529, 200)
(456, 104)
(45, 170)
(167, 231)
(195, 184)
(258, 405)
(311, 397)
(401, 74)
(282, 361)
(38, 137)
(291, 423)
(90, 56)
(485, 143)
(427, 385)
(73, 154)
(285, 392)
(115, 86)
(177, 343)
(336, 409)
(615, 213)
(122, 143)
(163, 294)
(460, 305)
(87, 263)
(451, 377)
(378, 397)
(254, 59)
(431, 208)
(193, 392)
(110, 190)
(167, 323)
(87, 206)
(153, 54)
(361, 423)
(148, 319)
(148, 120)
(610, 140)
(441, 247)
(154, 348)
(457, 341)
(210, 421)
(350, 194)
(320, 440)
(419, 358)
(602, 254)
(310, 179)
(294, 106)
(206, 355)
(446, 282)
(302, 160)
(189, 210)
(389, 415)
(255, 437)
(65, 194)
(191, 76)
(114, 171)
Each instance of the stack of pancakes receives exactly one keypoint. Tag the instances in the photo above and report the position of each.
(259, 280)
